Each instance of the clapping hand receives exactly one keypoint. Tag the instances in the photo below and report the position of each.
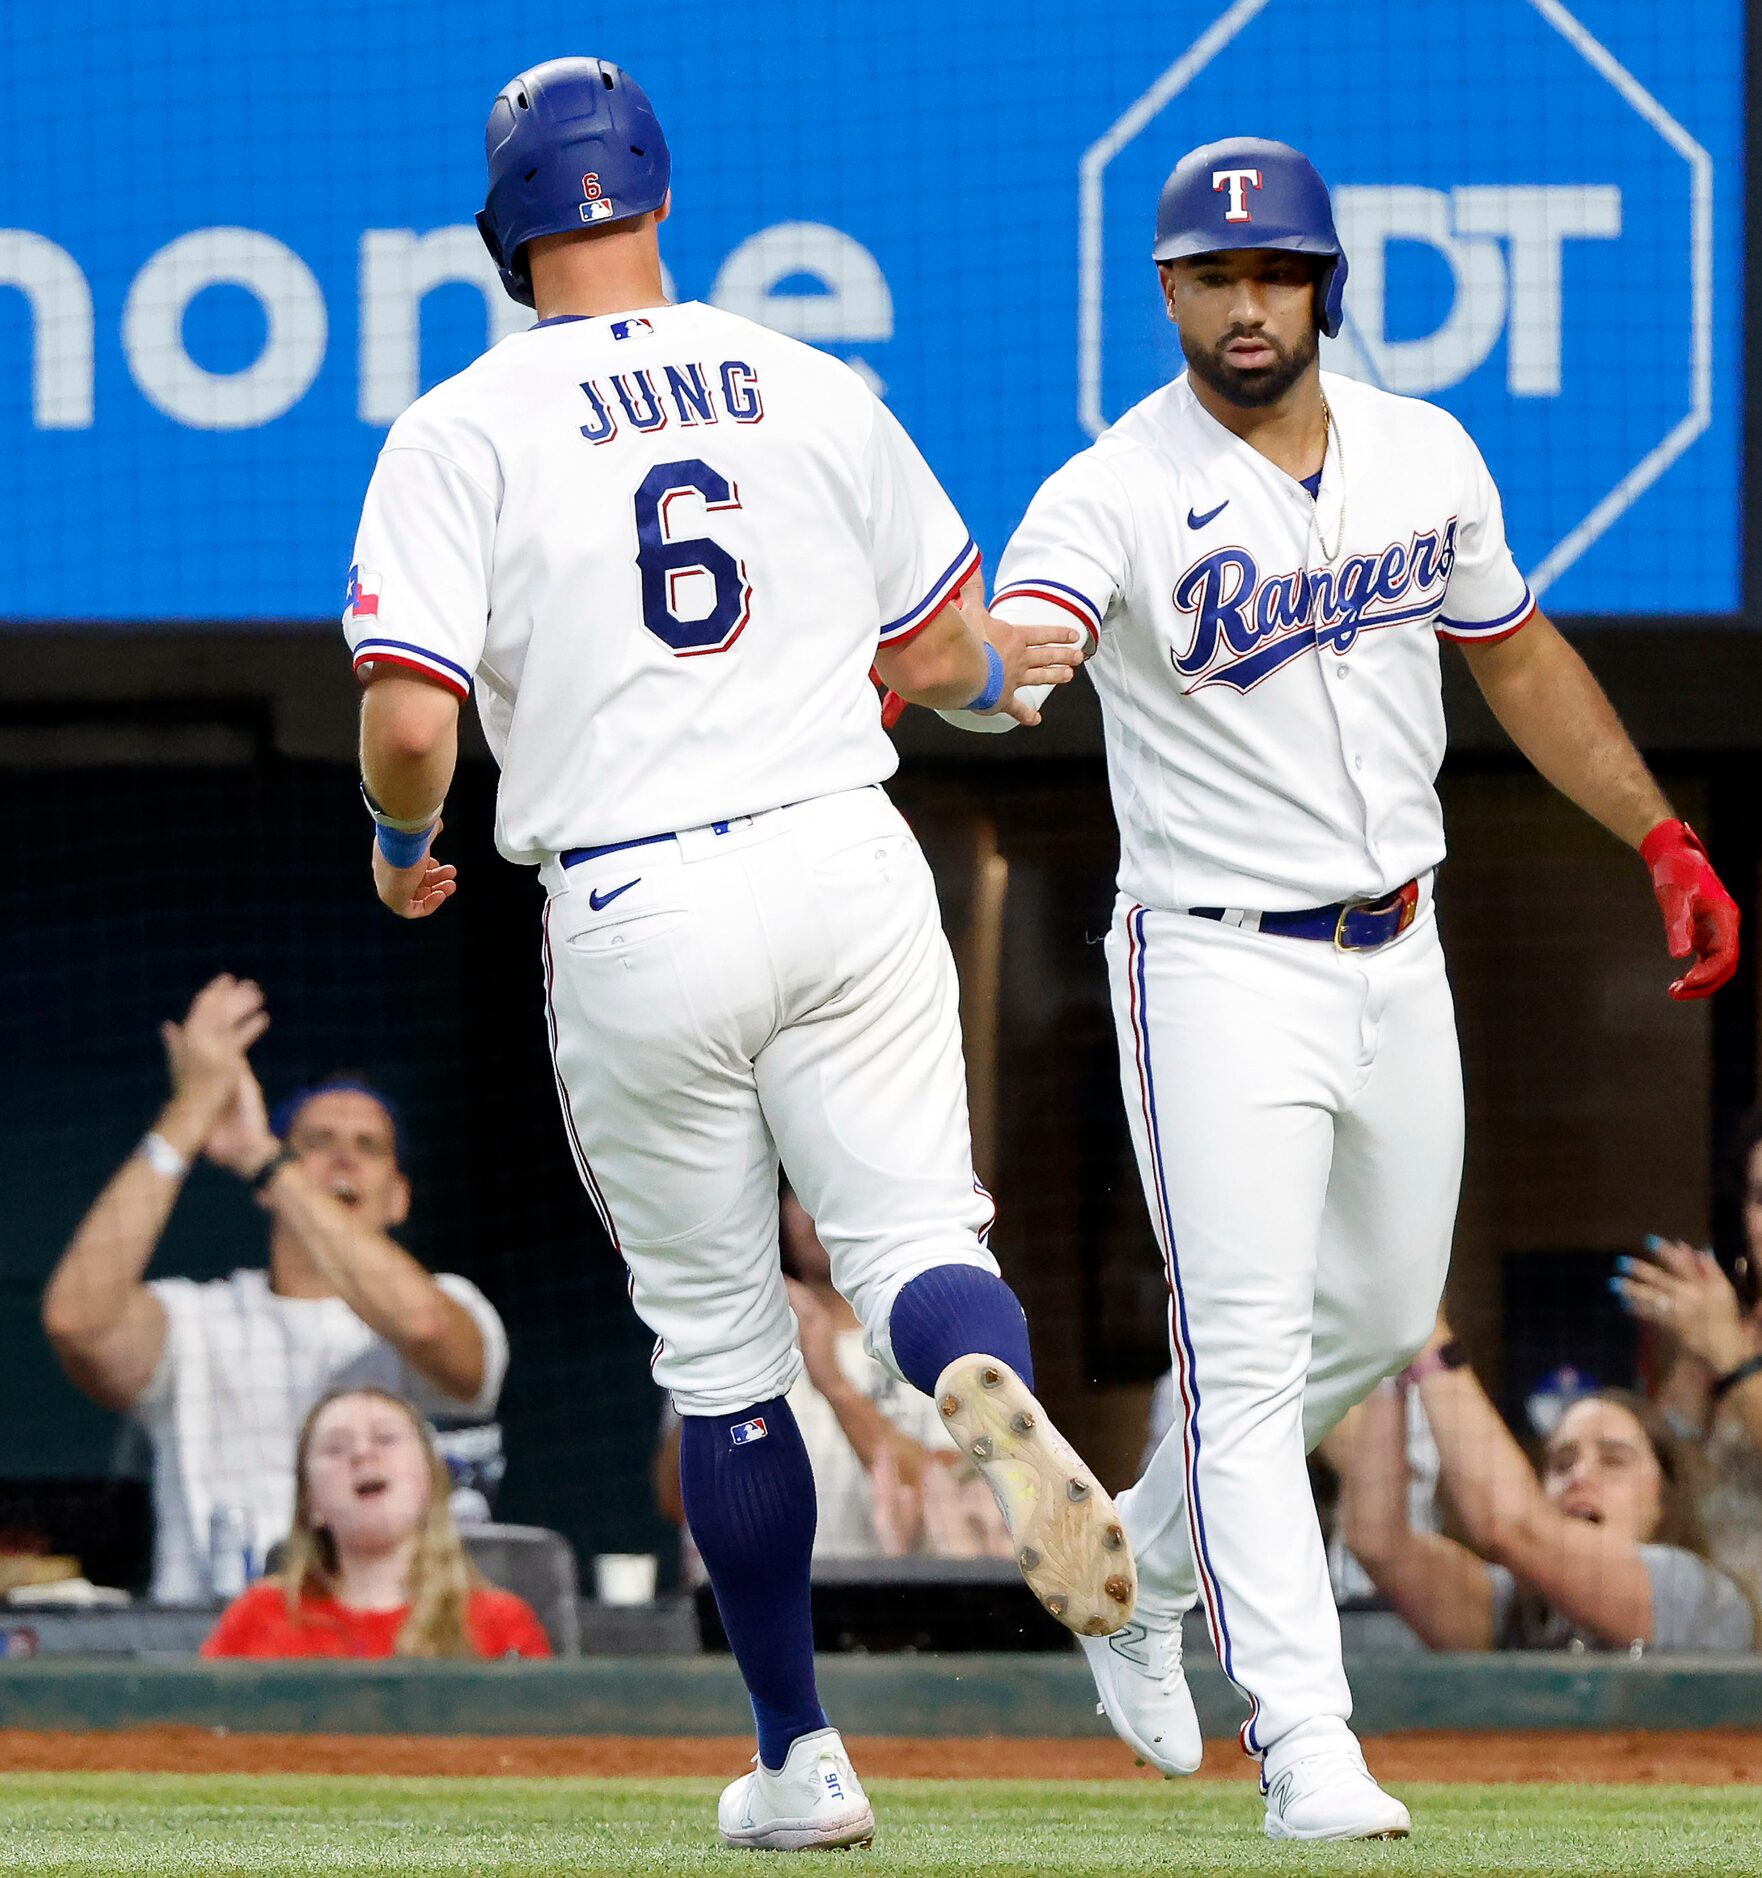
(1684, 1291)
(242, 1141)
(205, 1054)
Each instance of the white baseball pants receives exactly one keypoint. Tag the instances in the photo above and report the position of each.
(1297, 1117)
(775, 985)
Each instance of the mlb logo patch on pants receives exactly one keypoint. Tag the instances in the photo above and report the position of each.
(743, 1432)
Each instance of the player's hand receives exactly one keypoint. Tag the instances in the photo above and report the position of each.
(416, 891)
(205, 1054)
(1700, 917)
(1033, 655)
(1684, 1291)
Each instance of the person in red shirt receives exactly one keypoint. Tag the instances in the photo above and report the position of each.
(374, 1565)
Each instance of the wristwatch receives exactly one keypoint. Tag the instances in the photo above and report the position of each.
(1739, 1373)
(270, 1168)
(1448, 1355)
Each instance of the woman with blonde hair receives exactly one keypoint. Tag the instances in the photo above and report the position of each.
(374, 1565)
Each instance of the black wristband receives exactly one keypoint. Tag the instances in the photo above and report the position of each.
(270, 1168)
(1448, 1355)
(1723, 1385)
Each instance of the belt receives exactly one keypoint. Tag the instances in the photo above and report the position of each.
(573, 857)
(1352, 925)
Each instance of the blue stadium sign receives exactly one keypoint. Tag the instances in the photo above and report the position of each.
(213, 304)
(1537, 240)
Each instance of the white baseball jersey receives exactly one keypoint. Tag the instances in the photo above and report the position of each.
(663, 547)
(1268, 660)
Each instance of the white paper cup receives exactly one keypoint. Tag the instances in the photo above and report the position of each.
(624, 1577)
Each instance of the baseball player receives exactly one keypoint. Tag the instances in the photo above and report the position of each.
(1263, 558)
(664, 546)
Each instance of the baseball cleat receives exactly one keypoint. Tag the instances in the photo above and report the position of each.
(1328, 1793)
(813, 1803)
(1068, 1539)
(1144, 1692)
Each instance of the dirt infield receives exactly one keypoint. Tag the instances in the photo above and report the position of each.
(1716, 1758)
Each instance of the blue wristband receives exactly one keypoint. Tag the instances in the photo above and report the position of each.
(988, 699)
(401, 849)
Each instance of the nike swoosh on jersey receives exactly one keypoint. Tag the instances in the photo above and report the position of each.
(598, 900)
(1196, 520)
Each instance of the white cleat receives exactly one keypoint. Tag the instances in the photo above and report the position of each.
(814, 1803)
(1068, 1539)
(1144, 1691)
(1328, 1793)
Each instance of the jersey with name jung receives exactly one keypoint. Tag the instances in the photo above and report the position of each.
(663, 548)
(1267, 660)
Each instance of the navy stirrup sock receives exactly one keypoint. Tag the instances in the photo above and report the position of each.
(952, 1311)
(749, 1501)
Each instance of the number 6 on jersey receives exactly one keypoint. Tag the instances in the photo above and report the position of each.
(675, 571)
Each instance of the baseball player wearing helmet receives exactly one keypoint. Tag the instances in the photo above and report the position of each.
(1264, 558)
(665, 545)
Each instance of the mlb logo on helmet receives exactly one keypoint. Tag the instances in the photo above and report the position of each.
(743, 1432)
(598, 205)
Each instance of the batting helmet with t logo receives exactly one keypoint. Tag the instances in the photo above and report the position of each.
(1250, 192)
(572, 143)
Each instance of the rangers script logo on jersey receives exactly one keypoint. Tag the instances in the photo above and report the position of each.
(1259, 624)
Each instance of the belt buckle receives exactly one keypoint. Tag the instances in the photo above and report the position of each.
(1407, 898)
(1347, 909)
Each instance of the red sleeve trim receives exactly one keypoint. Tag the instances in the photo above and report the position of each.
(1052, 599)
(368, 659)
(1492, 639)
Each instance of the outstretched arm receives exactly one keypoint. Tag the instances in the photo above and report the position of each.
(1556, 713)
(965, 660)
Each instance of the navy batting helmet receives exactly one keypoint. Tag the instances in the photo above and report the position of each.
(573, 143)
(1249, 192)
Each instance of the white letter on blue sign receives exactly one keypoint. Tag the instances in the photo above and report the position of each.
(153, 318)
(61, 327)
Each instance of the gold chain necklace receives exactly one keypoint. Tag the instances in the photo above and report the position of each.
(1330, 442)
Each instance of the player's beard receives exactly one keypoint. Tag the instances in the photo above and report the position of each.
(1252, 387)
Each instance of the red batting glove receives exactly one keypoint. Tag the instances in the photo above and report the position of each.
(1699, 915)
(893, 706)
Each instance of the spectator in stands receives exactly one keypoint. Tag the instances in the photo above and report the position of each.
(1711, 1381)
(1604, 1552)
(374, 1565)
(221, 1374)
(888, 1480)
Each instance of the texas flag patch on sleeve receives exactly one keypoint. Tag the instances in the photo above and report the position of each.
(361, 601)
(743, 1432)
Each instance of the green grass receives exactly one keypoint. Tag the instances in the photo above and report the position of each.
(149, 1825)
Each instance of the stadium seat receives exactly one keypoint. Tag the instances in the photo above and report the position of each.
(538, 1565)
